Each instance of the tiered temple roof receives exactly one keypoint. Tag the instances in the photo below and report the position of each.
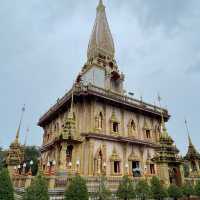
(192, 153)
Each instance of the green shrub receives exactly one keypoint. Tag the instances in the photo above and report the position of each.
(197, 189)
(187, 190)
(126, 190)
(77, 190)
(174, 192)
(143, 190)
(103, 193)
(158, 191)
(6, 188)
(38, 190)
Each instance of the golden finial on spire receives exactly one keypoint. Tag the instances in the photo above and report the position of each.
(100, 6)
(18, 130)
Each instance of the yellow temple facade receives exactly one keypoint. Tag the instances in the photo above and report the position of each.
(96, 128)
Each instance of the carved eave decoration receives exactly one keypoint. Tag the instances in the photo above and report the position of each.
(114, 118)
(101, 149)
(194, 174)
(192, 153)
(15, 154)
(115, 156)
(146, 127)
(133, 157)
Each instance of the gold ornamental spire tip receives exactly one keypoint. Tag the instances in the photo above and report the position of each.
(100, 6)
(100, 3)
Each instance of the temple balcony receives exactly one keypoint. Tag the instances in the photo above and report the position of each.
(113, 97)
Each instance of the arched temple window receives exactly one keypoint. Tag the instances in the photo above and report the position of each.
(148, 133)
(193, 166)
(115, 163)
(114, 124)
(131, 128)
(100, 120)
(69, 154)
(99, 161)
(115, 127)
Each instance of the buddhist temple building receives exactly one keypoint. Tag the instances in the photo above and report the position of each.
(96, 129)
(15, 155)
(192, 158)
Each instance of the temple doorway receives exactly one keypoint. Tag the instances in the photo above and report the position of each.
(69, 155)
(136, 168)
(175, 176)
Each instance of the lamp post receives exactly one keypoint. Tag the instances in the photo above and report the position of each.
(24, 168)
(77, 165)
(15, 169)
(70, 164)
(30, 169)
(49, 167)
(54, 165)
(19, 169)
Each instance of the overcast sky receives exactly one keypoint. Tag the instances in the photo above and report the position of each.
(43, 46)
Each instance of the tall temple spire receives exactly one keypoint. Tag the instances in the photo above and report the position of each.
(18, 130)
(101, 41)
(189, 138)
(69, 128)
(192, 152)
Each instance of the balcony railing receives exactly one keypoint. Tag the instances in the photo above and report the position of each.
(107, 94)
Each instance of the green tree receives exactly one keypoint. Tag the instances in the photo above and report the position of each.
(38, 190)
(103, 193)
(6, 188)
(197, 189)
(77, 189)
(174, 192)
(143, 190)
(125, 190)
(158, 191)
(2, 158)
(187, 190)
(32, 153)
